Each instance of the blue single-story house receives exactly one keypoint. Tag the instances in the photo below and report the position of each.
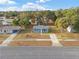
(9, 29)
(40, 29)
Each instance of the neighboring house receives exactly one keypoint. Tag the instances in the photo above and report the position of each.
(70, 29)
(40, 29)
(9, 29)
(1, 20)
(5, 21)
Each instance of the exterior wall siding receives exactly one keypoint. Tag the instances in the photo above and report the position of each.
(39, 30)
(8, 31)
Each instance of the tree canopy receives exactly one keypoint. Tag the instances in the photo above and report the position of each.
(62, 18)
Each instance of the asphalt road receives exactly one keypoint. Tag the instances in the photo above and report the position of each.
(39, 52)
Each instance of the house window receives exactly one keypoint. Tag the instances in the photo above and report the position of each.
(44, 30)
(38, 30)
(5, 31)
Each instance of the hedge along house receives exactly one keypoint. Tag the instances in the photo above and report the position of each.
(40, 29)
(9, 29)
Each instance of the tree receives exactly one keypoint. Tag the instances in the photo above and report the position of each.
(62, 23)
(25, 22)
(51, 15)
(39, 19)
(22, 15)
(59, 13)
(16, 22)
(67, 17)
(76, 24)
(11, 14)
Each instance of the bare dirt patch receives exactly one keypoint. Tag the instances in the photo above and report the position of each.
(31, 39)
(70, 43)
(68, 39)
(30, 43)
(65, 36)
(3, 37)
(31, 36)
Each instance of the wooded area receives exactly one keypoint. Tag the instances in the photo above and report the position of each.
(60, 18)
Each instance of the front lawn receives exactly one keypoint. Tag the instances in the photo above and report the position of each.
(31, 39)
(3, 37)
(66, 36)
(25, 36)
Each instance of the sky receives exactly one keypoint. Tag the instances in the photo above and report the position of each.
(32, 5)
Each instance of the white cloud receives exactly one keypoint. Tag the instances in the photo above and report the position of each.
(7, 2)
(32, 6)
(25, 7)
(11, 9)
(14, 8)
(42, 1)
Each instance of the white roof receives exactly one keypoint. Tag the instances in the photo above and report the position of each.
(5, 19)
(10, 27)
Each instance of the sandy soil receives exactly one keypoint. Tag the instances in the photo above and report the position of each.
(31, 39)
(31, 43)
(70, 43)
(3, 37)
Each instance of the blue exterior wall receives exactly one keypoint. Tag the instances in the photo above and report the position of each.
(14, 31)
(39, 30)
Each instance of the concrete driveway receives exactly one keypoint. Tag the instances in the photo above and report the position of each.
(55, 40)
(9, 39)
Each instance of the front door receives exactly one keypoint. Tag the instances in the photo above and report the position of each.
(14, 31)
(4, 31)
